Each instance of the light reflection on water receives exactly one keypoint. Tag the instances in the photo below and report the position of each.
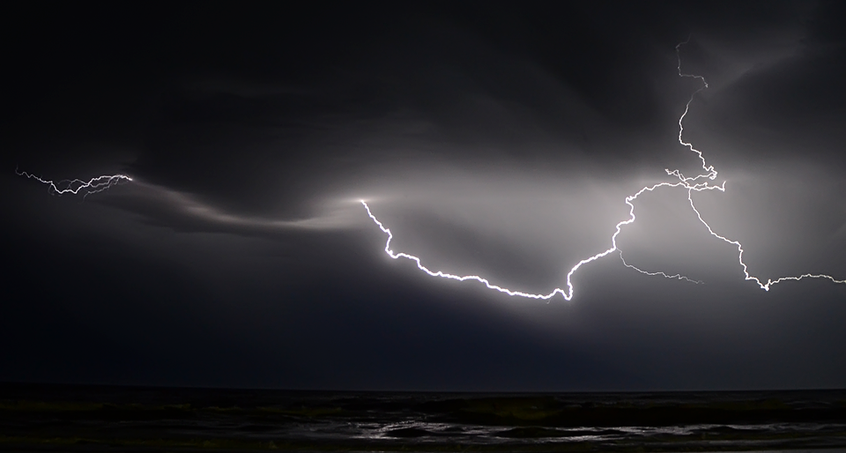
(759, 421)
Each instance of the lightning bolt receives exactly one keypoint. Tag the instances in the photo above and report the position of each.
(700, 182)
(75, 186)
(692, 184)
(711, 173)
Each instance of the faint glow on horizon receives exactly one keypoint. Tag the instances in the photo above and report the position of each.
(688, 183)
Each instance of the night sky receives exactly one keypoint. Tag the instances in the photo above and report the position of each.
(498, 139)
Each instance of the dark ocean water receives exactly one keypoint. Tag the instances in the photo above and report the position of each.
(100, 418)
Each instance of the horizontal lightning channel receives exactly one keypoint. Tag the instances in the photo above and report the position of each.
(690, 184)
(568, 292)
(74, 186)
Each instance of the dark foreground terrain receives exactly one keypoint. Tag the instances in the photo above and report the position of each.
(98, 418)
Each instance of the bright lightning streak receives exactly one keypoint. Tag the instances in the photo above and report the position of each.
(568, 293)
(688, 183)
(74, 186)
(691, 184)
(770, 282)
(711, 173)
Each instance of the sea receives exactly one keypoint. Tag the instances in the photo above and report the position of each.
(82, 418)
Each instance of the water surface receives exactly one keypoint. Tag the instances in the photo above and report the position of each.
(103, 418)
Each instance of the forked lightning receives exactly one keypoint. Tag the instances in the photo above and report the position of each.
(75, 186)
(691, 184)
(700, 182)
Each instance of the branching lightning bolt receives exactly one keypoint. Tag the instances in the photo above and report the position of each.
(692, 184)
(700, 182)
(75, 186)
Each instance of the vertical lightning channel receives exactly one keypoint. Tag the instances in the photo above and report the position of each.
(692, 184)
(711, 173)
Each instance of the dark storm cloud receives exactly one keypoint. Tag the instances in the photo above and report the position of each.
(469, 86)
(498, 139)
(167, 208)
